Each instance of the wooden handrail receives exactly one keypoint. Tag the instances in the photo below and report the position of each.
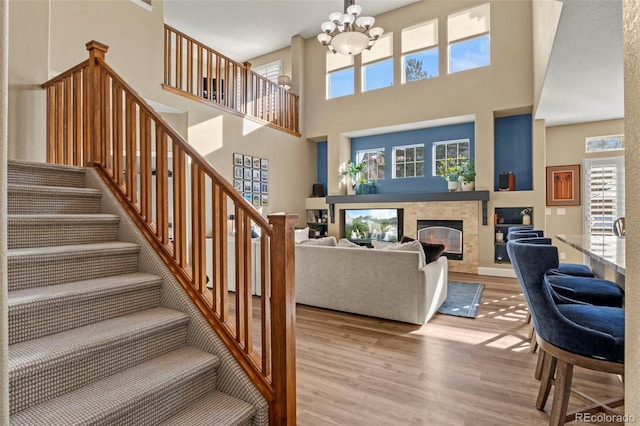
(225, 83)
(95, 118)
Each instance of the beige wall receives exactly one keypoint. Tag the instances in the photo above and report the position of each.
(506, 85)
(546, 15)
(566, 145)
(631, 13)
(135, 38)
(4, 296)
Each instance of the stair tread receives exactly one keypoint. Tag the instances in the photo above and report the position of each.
(46, 166)
(30, 296)
(74, 217)
(70, 250)
(61, 346)
(120, 391)
(216, 408)
(16, 187)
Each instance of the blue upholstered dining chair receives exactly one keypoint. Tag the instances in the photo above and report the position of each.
(564, 268)
(568, 334)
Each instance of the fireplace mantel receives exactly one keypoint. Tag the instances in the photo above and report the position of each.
(410, 197)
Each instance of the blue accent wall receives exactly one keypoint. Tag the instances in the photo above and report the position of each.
(512, 150)
(428, 136)
(322, 164)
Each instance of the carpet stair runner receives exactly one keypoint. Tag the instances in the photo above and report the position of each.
(89, 342)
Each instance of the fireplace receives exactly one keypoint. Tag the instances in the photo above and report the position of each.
(446, 232)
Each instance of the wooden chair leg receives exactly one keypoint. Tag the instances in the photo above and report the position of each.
(539, 364)
(561, 393)
(532, 332)
(527, 320)
(546, 379)
(534, 341)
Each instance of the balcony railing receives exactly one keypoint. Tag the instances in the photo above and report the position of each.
(201, 73)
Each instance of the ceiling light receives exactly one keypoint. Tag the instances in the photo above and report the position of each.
(349, 33)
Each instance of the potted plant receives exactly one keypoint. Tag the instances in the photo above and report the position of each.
(467, 170)
(450, 171)
(352, 170)
(365, 186)
(526, 215)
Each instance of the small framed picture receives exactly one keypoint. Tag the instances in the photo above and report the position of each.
(237, 184)
(256, 187)
(265, 200)
(256, 199)
(264, 164)
(247, 186)
(237, 172)
(247, 197)
(237, 159)
(256, 163)
(247, 174)
(264, 187)
(256, 175)
(264, 176)
(248, 161)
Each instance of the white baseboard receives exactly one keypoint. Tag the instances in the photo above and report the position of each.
(497, 272)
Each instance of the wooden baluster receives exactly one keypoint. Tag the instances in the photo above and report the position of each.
(244, 88)
(68, 121)
(265, 300)
(283, 319)
(51, 124)
(167, 56)
(117, 133)
(107, 121)
(131, 169)
(179, 206)
(189, 66)
(179, 84)
(221, 285)
(162, 199)
(77, 118)
(200, 88)
(243, 281)
(217, 77)
(145, 167)
(59, 121)
(198, 227)
(209, 75)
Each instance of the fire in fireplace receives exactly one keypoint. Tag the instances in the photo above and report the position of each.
(446, 232)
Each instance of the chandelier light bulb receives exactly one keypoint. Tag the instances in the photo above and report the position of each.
(354, 9)
(349, 33)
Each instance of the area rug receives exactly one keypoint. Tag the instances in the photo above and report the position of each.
(463, 299)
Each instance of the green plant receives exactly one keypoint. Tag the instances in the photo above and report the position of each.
(352, 169)
(449, 169)
(525, 211)
(467, 171)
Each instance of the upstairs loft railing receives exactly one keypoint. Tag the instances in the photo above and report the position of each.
(193, 69)
(95, 118)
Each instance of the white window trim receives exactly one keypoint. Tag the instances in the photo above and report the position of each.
(587, 163)
(404, 63)
(434, 172)
(393, 160)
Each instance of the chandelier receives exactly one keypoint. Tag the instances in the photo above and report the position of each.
(349, 33)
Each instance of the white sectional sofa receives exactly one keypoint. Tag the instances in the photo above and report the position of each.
(380, 283)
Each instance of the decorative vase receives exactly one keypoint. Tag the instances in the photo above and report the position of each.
(499, 237)
(351, 189)
(452, 185)
(526, 219)
(468, 186)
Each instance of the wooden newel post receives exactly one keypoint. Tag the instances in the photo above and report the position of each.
(93, 124)
(247, 86)
(283, 317)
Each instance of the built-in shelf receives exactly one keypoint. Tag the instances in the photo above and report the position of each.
(411, 197)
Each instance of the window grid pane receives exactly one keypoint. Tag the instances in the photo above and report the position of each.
(377, 75)
(409, 161)
(469, 54)
(421, 65)
(442, 151)
(374, 164)
(341, 83)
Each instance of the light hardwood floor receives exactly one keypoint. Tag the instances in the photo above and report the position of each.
(354, 370)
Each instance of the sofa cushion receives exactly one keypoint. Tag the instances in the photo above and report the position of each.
(325, 241)
(431, 251)
(302, 234)
(408, 246)
(343, 242)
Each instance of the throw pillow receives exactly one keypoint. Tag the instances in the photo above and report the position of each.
(380, 245)
(343, 242)
(302, 234)
(432, 252)
(408, 246)
(325, 241)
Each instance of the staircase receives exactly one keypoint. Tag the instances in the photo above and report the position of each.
(98, 332)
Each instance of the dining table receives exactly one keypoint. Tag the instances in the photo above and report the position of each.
(604, 254)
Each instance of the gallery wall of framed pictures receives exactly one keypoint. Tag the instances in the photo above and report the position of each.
(251, 178)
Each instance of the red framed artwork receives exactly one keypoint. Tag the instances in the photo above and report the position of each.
(563, 185)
